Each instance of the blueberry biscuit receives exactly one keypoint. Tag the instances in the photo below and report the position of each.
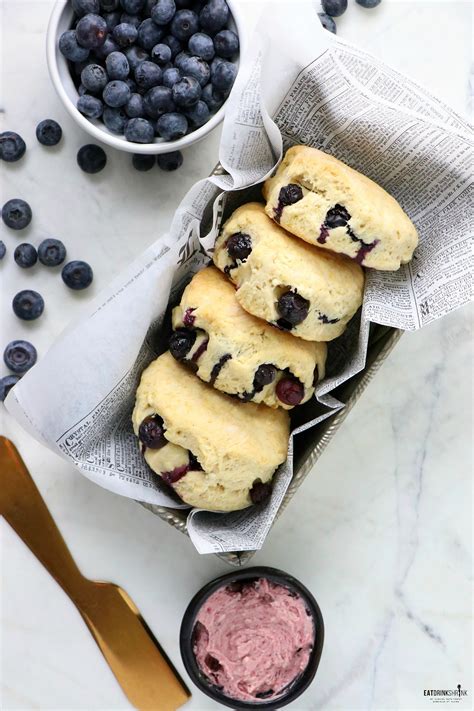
(310, 292)
(324, 202)
(238, 353)
(216, 452)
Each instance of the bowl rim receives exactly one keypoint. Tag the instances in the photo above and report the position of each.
(101, 134)
(185, 637)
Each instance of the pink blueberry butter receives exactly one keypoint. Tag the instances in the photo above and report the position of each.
(252, 640)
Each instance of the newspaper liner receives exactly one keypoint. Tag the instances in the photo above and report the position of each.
(321, 92)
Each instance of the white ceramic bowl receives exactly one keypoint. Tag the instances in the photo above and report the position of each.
(59, 22)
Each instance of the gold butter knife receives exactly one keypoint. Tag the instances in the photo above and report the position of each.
(141, 667)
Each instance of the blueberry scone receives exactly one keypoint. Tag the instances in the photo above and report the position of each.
(326, 203)
(216, 452)
(238, 353)
(283, 280)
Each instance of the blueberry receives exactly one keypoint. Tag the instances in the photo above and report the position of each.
(260, 492)
(109, 5)
(224, 75)
(149, 34)
(149, 5)
(337, 216)
(94, 78)
(12, 146)
(170, 161)
(135, 107)
(49, 132)
(292, 307)
(112, 19)
(6, 385)
(172, 126)
(184, 24)
(214, 16)
(70, 48)
(226, 43)
(25, 255)
(139, 130)
(197, 68)
(163, 11)
(181, 340)
(327, 22)
(115, 119)
(77, 275)
(16, 214)
(3, 249)
(20, 356)
(81, 90)
(84, 7)
(290, 391)
(91, 158)
(290, 194)
(116, 93)
(109, 46)
(133, 7)
(117, 66)
(135, 56)
(161, 54)
(264, 375)
(91, 31)
(186, 92)
(201, 45)
(131, 85)
(180, 59)
(90, 106)
(151, 432)
(174, 45)
(369, 3)
(334, 8)
(213, 98)
(51, 252)
(28, 305)
(125, 35)
(171, 77)
(143, 163)
(158, 101)
(198, 114)
(147, 75)
(239, 246)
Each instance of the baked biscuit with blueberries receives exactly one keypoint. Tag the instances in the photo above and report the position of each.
(216, 452)
(326, 203)
(308, 291)
(238, 353)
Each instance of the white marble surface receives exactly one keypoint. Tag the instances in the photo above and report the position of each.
(380, 531)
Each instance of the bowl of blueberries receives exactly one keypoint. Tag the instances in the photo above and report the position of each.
(145, 76)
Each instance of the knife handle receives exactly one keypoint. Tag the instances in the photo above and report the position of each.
(25, 510)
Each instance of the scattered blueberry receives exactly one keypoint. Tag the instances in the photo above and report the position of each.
(181, 342)
(20, 356)
(116, 93)
(327, 22)
(3, 249)
(369, 3)
(147, 75)
(143, 163)
(91, 31)
(90, 106)
(49, 132)
(115, 119)
(109, 5)
(181, 58)
(172, 126)
(135, 55)
(127, 19)
(6, 385)
(239, 246)
(260, 492)
(70, 48)
(186, 92)
(51, 252)
(132, 6)
(84, 7)
(77, 275)
(91, 158)
(184, 24)
(163, 11)
(174, 45)
(171, 77)
(117, 66)
(198, 114)
(264, 375)
(12, 146)
(170, 161)
(201, 45)
(139, 130)
(214, 16)
(337, 216)
(213, 98)
(25, 255)
(109, 46)
(112, 19)
(151, 432)
(161, 54)
(149, 34)
(224, 75)
(226, 43)
(158, 101)
(94, 78)
(292, 307)
(125, 35)
(334, 8)
(290, 391)
(197, 68)
(288, 195)
(16, 214)
(28, 305)
(134, 107)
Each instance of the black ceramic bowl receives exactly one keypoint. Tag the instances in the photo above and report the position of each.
(186, 638)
